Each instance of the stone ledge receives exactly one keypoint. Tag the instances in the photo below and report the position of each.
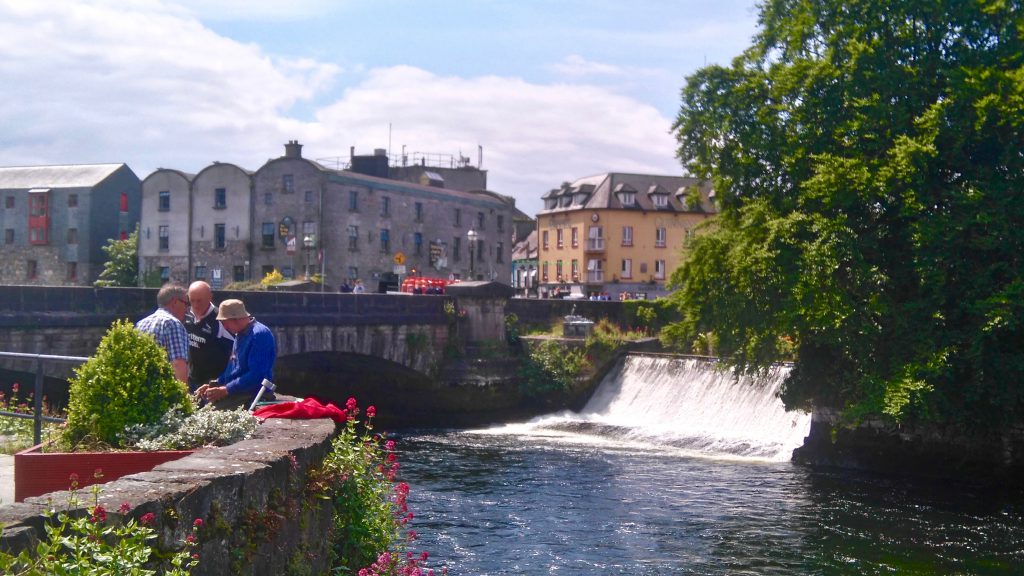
(226, 487)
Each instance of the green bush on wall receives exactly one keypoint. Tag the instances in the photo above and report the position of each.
(128, 381)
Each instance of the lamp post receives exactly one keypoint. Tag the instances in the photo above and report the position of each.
(307, 243)
(472, 252)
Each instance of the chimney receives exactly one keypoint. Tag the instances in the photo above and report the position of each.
(293, 149)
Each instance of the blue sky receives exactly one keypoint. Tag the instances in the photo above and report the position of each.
(552, 91)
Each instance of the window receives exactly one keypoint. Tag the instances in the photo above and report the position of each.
(643, 267)
(659, 237)
(559, 240)
(266, 269)
(558, 271)
(479, 250)
(575, 270)
(660, 200)
(239, 273)
(595, 238)
(288, 183)
(501, 223)
(31, 269)
(200, 272)
(385, 240)
(627, 235)
(627, 268)
(353, 272)
(72, 271)
(458, 216)
(72, 237)
(353, 238)
(499, 248)
(417, 241)
(72, 200)
(165, 273)
(267, 235)
(164, 235)
(124, 201)
(627, 198)
(575, 237)
(457, 249)
(268, 199)
(309, 196)
(479, 221)
(544, 239)
(219, 240)
(419, 211)
(9, 236)
(9, 202)
(38, 217)
(220, 198)
(595, 270)
(659, 269)
(353, 200)
(164, 202)
(544, 271)
(385, 206)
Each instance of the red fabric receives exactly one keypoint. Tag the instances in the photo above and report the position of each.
(308, 408)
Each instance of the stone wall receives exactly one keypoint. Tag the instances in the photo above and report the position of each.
(250, 496)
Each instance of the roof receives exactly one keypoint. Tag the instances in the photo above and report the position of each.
(600, 191)
(68, 176)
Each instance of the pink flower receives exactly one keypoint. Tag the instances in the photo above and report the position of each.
(14, 388)
(148, 519)
(99, 514)
(371, 411)
(191, 539)
(351, 404)
(125, 508)
(389, 445)
(198, 523)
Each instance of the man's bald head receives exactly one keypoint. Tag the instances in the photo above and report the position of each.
(200, 295)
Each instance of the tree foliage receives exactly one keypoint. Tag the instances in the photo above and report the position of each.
(867, 157)
(122, 265)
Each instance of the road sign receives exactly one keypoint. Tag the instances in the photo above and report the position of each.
(399, 258)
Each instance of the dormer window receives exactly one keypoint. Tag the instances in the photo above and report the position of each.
(550, 203)
(579, 198)
(626, 195)
(564, 201)
(658, 195)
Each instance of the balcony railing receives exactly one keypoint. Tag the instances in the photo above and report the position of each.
(595, 244)
(595, 276)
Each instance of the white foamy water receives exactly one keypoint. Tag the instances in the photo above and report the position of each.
(687, 405)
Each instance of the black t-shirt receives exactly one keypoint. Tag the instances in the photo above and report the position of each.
(209, 347)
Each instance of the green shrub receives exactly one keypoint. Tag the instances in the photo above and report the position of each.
(128, 381)
(551, 367)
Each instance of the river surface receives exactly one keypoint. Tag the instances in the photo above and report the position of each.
(676, 468)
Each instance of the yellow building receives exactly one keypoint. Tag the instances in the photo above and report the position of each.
(617, 235)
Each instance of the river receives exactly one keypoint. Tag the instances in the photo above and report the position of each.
(675, 467)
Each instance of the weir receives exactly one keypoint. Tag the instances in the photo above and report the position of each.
(690, 404)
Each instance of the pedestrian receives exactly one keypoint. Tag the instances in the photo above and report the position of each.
(252, 359)
(345, 288)
(166, 326)
(209, 343)
(359, 288)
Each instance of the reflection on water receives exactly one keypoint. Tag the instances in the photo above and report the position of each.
(529, 504)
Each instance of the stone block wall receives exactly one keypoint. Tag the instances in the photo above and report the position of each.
(258, 518)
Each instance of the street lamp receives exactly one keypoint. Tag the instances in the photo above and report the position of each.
(472, 251)
(307, 243)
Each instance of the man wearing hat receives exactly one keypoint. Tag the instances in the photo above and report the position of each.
(252, 359)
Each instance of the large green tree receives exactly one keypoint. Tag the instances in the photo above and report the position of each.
(868, 157)
(122, 265)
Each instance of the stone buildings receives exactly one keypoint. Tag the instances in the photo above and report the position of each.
(619, 234)
(298, 217)
(56, 220)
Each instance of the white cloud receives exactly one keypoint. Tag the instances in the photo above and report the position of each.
(147, 84)
(576, 65)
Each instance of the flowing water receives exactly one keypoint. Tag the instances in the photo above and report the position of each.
(675, 467)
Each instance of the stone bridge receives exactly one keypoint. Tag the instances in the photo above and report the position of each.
(378, 347)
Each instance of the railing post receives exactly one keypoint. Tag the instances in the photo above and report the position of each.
(37, 421)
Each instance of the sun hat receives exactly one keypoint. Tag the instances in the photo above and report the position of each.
(231, 309)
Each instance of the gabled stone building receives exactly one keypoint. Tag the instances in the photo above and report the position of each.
(56, 220)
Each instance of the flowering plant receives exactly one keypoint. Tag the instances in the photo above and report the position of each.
(371, 513)
(97, 545)
(204, 427)
(17, 433)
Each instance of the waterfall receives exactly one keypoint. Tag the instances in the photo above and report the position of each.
(687, 404)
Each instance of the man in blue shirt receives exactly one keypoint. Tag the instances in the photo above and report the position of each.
(252, 359)
(167, 328)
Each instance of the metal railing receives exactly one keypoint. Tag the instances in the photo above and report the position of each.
(37, 411)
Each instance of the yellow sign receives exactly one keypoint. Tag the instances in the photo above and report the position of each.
(399, 258)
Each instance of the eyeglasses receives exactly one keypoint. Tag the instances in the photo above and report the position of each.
(184, 301)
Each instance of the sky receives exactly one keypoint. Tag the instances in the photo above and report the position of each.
(550, 91)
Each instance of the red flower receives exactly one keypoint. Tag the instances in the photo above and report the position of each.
(148, 519)
(14, 388)
(125, 508)
(198, 523)
(99, 514)
(371, 412)
(351, 404)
